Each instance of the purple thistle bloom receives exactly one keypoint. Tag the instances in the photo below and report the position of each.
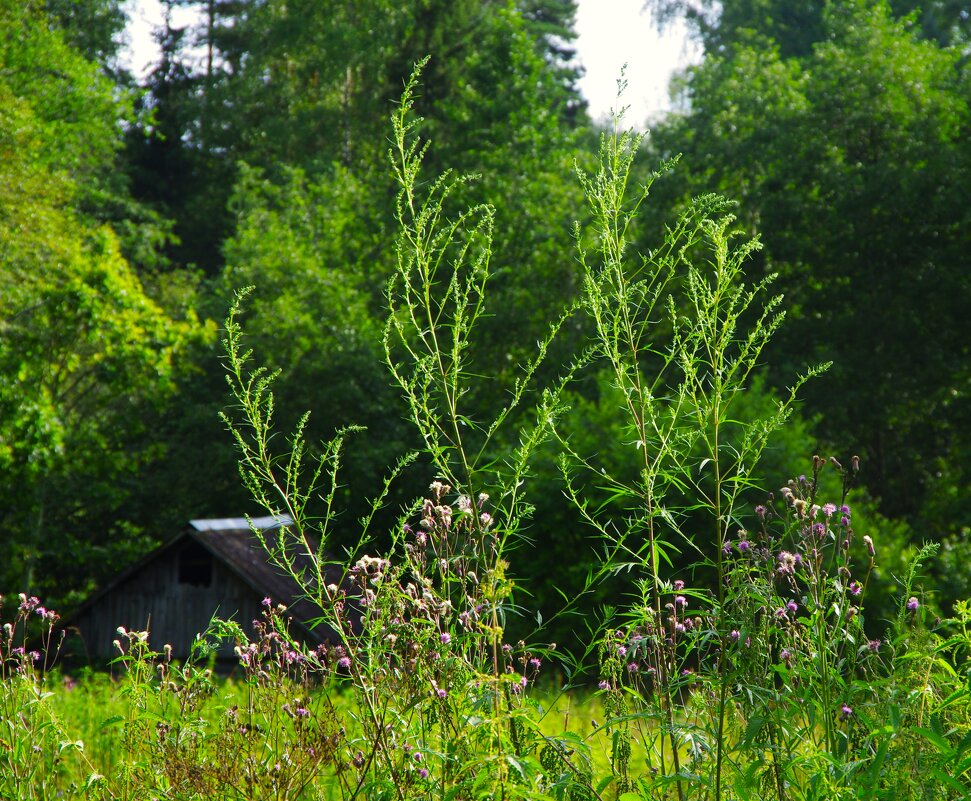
(727, 547)
(604, 684)
(423, 772)
(829, 509)
(446, 638)
(844, 509)
(792, 607)
(534, 663)
(678, 585)
(344, 662)
(855, 588)
(632, 667)
(845, 712)
(734, 635)
(621, 651)
(874, 645)
(760, 510)
(912, 604)
(744, 546)
(680, 600)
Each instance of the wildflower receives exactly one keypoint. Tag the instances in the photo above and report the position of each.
(621, 651)
(845, 712)
(485, 519)
(761, 511)
(301, 712)
(534, 663)
(868, 541)
(800, 506)
(678, 585)
(744, 546)
(792, 607)
(604, 684)
(855, 588)
(787, 563)
(786, 656)
(734, 635)
(845, 510)
(829, 509)
(874, 645)
(423, 772)
(267, 602)
(844, 521)
(680, 600)
(781, 613)
(727, 547)
(358, 760)
(344, 662)
(679, 627)
(912, 604)
(442, 694)
(465, 504)
(445, 638)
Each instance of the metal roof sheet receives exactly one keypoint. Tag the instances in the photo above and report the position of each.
(240, 523)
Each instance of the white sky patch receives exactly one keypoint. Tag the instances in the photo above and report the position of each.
(610, 33)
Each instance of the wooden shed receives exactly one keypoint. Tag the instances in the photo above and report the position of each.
(214, 567)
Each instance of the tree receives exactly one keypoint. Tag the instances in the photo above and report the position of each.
(83, 348)
(851, 161)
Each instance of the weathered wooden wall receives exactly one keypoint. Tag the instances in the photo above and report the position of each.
(173, 611)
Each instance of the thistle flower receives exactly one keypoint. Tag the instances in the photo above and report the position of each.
(787, 563)
(912, 604)
(846, 712)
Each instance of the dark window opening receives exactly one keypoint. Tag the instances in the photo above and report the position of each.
(195, 565)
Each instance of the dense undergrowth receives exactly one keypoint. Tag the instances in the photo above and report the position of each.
(753, 673)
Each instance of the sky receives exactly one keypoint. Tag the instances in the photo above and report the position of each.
(611, 33)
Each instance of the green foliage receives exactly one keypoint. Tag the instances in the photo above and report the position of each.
(847, 154)
(85, 352)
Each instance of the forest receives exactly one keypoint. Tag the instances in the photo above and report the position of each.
(584, 384)
(132, 213)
